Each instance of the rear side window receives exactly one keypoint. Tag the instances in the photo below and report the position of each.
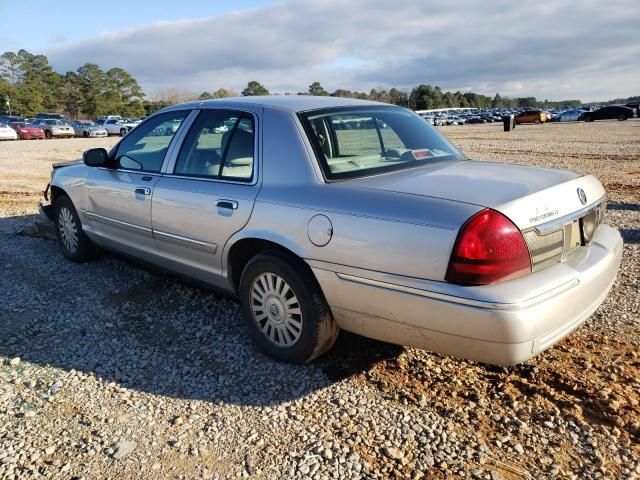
(220, 144)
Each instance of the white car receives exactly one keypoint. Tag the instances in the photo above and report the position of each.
(117, 126)
(7, 133)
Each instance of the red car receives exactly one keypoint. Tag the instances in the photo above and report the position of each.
(26, 131)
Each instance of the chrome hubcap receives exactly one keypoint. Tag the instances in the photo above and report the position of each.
(276, 309)
(68, 229)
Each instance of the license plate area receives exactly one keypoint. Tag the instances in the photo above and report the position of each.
(580, 231)
(572, 237)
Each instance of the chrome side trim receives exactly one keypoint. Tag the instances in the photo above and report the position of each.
(558, 223)
(460, 300)
(190, 242)
(113, 222)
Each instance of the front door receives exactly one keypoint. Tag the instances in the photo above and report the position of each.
(119, 198)
(208, 195)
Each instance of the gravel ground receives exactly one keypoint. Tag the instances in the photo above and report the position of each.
(111, 371)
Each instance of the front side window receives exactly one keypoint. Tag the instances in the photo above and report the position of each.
(145, 146)
(360, 141)
(220, 144)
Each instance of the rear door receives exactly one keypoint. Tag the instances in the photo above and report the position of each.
(208, 192)
(119, 198)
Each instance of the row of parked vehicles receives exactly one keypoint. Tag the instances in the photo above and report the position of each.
(536, 116)
(55, 125)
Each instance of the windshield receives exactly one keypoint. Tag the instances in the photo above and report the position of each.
(360, 141)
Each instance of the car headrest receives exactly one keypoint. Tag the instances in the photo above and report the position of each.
(241, 146)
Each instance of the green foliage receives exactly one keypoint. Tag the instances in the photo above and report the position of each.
(254, 88)
(316, 89)
(33, 86)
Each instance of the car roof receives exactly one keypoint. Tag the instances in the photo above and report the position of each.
(293, 103)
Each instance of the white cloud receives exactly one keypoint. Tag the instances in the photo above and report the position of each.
(549, 49)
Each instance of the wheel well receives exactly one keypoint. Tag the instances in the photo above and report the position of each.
(244, 250)
(56, 192)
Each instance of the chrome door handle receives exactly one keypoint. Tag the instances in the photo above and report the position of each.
(230, 204)
(143, 190)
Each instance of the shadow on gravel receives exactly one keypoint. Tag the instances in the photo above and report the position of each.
(631, 207)
(630, 235)
(145, 330)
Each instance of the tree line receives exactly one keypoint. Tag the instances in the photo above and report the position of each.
(28, 85)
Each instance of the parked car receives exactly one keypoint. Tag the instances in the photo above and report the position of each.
(27, 132)
(531, 116)
(568, 115)
(611, 112)
(55, 116)
(395, 236)
(53, 127)
(8, 119)
(116, 126)
(108, 117)
(86, 128)
(7, 133)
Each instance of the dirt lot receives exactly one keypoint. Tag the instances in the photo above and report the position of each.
(110, 371)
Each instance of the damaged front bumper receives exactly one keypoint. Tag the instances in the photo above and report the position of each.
(45, 209)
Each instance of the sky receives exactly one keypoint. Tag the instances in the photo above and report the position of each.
(553, 49)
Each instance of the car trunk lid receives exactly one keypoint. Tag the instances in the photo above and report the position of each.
(527, 195)
(556, 211)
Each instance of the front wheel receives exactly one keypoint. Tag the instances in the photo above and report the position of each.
(536, 121)
(622, 117)
(284, 308)
(75, 245)
(47, 134)
(123, 132)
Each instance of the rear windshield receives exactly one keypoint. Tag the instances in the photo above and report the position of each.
(361, 141)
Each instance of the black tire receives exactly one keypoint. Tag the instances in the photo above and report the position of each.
(47, 134)
(588, 118)
(622, 117)
(85, 134)
(123, 132)
(83, 250)
(319, 330)
(536, 121)
(168, 132)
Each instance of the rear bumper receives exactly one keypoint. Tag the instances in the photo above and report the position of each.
(502, 324)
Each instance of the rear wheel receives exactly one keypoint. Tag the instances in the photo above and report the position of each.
(622, 117)
(123, 132)
(47, 134)
(536, 121)
(75, 245)
(284, 308)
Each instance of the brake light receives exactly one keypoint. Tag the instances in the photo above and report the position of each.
(489, 248)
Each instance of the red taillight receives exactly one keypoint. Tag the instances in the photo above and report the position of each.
(489, 248)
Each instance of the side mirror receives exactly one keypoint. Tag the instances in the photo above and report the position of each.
(95, 157)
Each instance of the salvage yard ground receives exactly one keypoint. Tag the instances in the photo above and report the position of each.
(110, 371)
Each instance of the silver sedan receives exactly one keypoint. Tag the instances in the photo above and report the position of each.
(88, 129)
(321, 214)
